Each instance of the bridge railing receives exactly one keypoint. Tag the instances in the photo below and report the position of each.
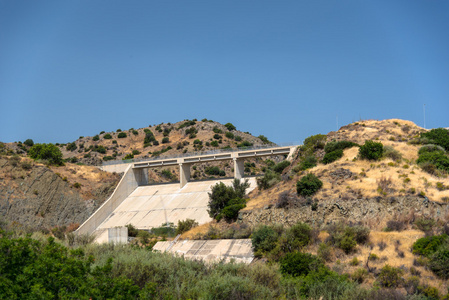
(197, 153)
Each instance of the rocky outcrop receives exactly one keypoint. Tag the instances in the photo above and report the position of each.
(39, 198)
(376, 211)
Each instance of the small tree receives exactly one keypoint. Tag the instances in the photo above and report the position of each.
(29, 142)
(371, 150)
(223, 196)
(308, 185)
(230, 127)
(48, 152)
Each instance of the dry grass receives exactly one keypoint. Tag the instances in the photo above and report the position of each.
(406, 177)
(397, 243)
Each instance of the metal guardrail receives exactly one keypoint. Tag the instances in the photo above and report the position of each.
(197, 153)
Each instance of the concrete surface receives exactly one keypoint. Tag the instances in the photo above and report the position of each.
(129, 182)
(151, 206)
(118, 235)
(210, 250)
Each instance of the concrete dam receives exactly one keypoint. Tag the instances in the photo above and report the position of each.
(145, 206)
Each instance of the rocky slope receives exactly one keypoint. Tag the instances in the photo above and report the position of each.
(33, 195)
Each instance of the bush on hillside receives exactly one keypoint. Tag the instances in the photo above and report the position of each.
(430, 148)
(308, 185)
(48, 152)
(269, 179)
(296, 237)
(299, 264)
(438, 136)
(390, 152)
(107, 136)
(165, 140)
(185, 225)
(122, 135)
(371, 150)
(437, 159)
(264, 139)
(439, 262)
(223, 196)
(308, 162)
(96, 138)
(332, 156)
(340, 145)
(347, 237)
(29, 142)
(230, 127)
(313, 143)
(71, 146)
(390, 277)
(278, 168)
(427, 246)
(264, 239)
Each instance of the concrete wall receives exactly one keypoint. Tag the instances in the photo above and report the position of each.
(118, 235)
(240, 251)
(118, 168)
(129, 182)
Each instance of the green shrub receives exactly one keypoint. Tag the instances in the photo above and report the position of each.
(430, 148)
(128, 156)
(437, 159)
(165, 140)
(122, 135)
(264, 139)
(107, 136)
(308, 185)
(48, 152)
(425, 224)
(340, 145)
(390, 277)
(217, 130)
(269, 179)
(332, 156)
(96, 138)
(229, 135)
(299, 264)
(296, 237)
(29, 142)
(217, 136)
(238, 138)
(371, 150)
(71, 146)
(135, 132)
(315, 142)
(99, 149)
(439, 262)
(167, 174)
(278, 168)
(106, 158)
(390, 152)
(244, 144)
(230, 127)
(325, 252)
(231, 211)
(308, 162)
(214, 171)
(438, 136)
(132, 230)
(222, 196)
(264, 239)
(186, 225)
(428, 245)
(214, 144)
(346, 237)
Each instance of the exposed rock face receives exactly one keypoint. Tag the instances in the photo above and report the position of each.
(375, 210)
(40, 198)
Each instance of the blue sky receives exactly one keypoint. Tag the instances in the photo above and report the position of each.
(284, 69)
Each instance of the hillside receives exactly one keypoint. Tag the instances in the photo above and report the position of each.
(350, 178)
(33, 193)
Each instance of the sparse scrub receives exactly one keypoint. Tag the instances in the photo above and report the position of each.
(390, 152)
(390, 277)
(107, 136)
(308, 162)
(278, 168)
(122, 135)
(269, 179)
(185, 225)
(330, 157)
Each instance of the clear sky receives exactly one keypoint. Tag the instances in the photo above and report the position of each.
(284, 69)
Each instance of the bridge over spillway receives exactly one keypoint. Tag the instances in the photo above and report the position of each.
(135, 202)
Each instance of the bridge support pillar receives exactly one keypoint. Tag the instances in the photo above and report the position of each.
(141, 176)
(239, 168)
(184, 174)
